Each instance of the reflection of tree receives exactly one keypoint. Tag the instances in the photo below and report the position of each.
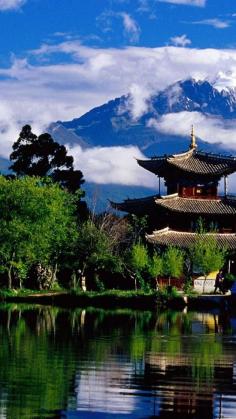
(209, 350)
(38, 372)
(47, 354)
(201, 355)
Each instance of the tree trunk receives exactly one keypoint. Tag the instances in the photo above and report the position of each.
(54, 274)
(83, 283)
(73, 279)
(9, 276)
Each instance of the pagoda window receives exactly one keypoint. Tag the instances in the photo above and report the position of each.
(201, 191)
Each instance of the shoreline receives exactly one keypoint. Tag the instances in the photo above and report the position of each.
(120, 299)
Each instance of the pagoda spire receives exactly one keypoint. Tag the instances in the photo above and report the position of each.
(193, 144)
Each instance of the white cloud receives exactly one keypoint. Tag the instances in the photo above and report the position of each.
(210, 129)
(115, 165)
(43, 92)
(131, 27)
(225, 80)
(137, 102)
(11, 4)
(198, 3)
(216, 23)
(180, 41)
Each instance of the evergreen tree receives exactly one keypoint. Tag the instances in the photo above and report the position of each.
(42, 156)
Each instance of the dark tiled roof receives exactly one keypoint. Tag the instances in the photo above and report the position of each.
(136, 206)
(167, 237)
(192, 162)
(156, 165)
(204, 163)
(197, 206)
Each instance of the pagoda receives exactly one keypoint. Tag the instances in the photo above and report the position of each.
(191, 179)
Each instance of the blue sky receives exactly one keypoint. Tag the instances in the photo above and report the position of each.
(24, 25)
(60, 58)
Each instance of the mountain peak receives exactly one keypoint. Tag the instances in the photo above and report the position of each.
(114, 123)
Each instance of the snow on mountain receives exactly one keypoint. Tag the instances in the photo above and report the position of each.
(105, 140)
(114, 124)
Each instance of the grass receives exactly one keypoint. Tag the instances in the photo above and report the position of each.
(113, 293)
(24, 292)
(107, 299)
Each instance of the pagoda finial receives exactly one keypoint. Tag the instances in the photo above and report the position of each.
(193, 144)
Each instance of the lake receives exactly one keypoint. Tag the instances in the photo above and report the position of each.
(116, 364)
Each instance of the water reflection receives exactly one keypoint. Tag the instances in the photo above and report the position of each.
(83, 363)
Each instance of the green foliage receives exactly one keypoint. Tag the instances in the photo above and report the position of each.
(155, 267)
(173, 262)
(230, 277)
(139, 262)
(188, 287)
(95, 249)
(99, 284)
(36, 224)
(144, 267)
(168, 293)
(206, 255)
(138, 227)
(129, 295)
(139, 257)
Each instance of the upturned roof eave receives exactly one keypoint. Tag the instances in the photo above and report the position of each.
(197, 206)
(166, 237)
(161, 165)
(134, 205)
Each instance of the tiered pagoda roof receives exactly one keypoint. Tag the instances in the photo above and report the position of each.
(183, 239)
(191, 179)
(192, 162)
(201, 206)
(175, 203)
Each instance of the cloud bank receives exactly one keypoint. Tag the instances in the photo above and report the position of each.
(210, 129)
(113, 165)
(37, 90)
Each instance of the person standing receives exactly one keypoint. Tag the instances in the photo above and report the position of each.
(219, 281)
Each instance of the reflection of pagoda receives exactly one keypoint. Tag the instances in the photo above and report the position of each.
(192, 180)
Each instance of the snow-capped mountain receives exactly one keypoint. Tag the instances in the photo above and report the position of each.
(155, 125)
(115, 123)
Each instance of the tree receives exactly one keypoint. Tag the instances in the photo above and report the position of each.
(139, 257)
(156, 265)
(206, 255)
(37, 224)
(138, 227)
(95, 252)
(139, 262)
(42, 156)
(173, 262)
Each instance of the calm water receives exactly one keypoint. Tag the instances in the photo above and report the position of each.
(116, 364)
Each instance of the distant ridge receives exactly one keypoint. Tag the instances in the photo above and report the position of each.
(112, 124)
